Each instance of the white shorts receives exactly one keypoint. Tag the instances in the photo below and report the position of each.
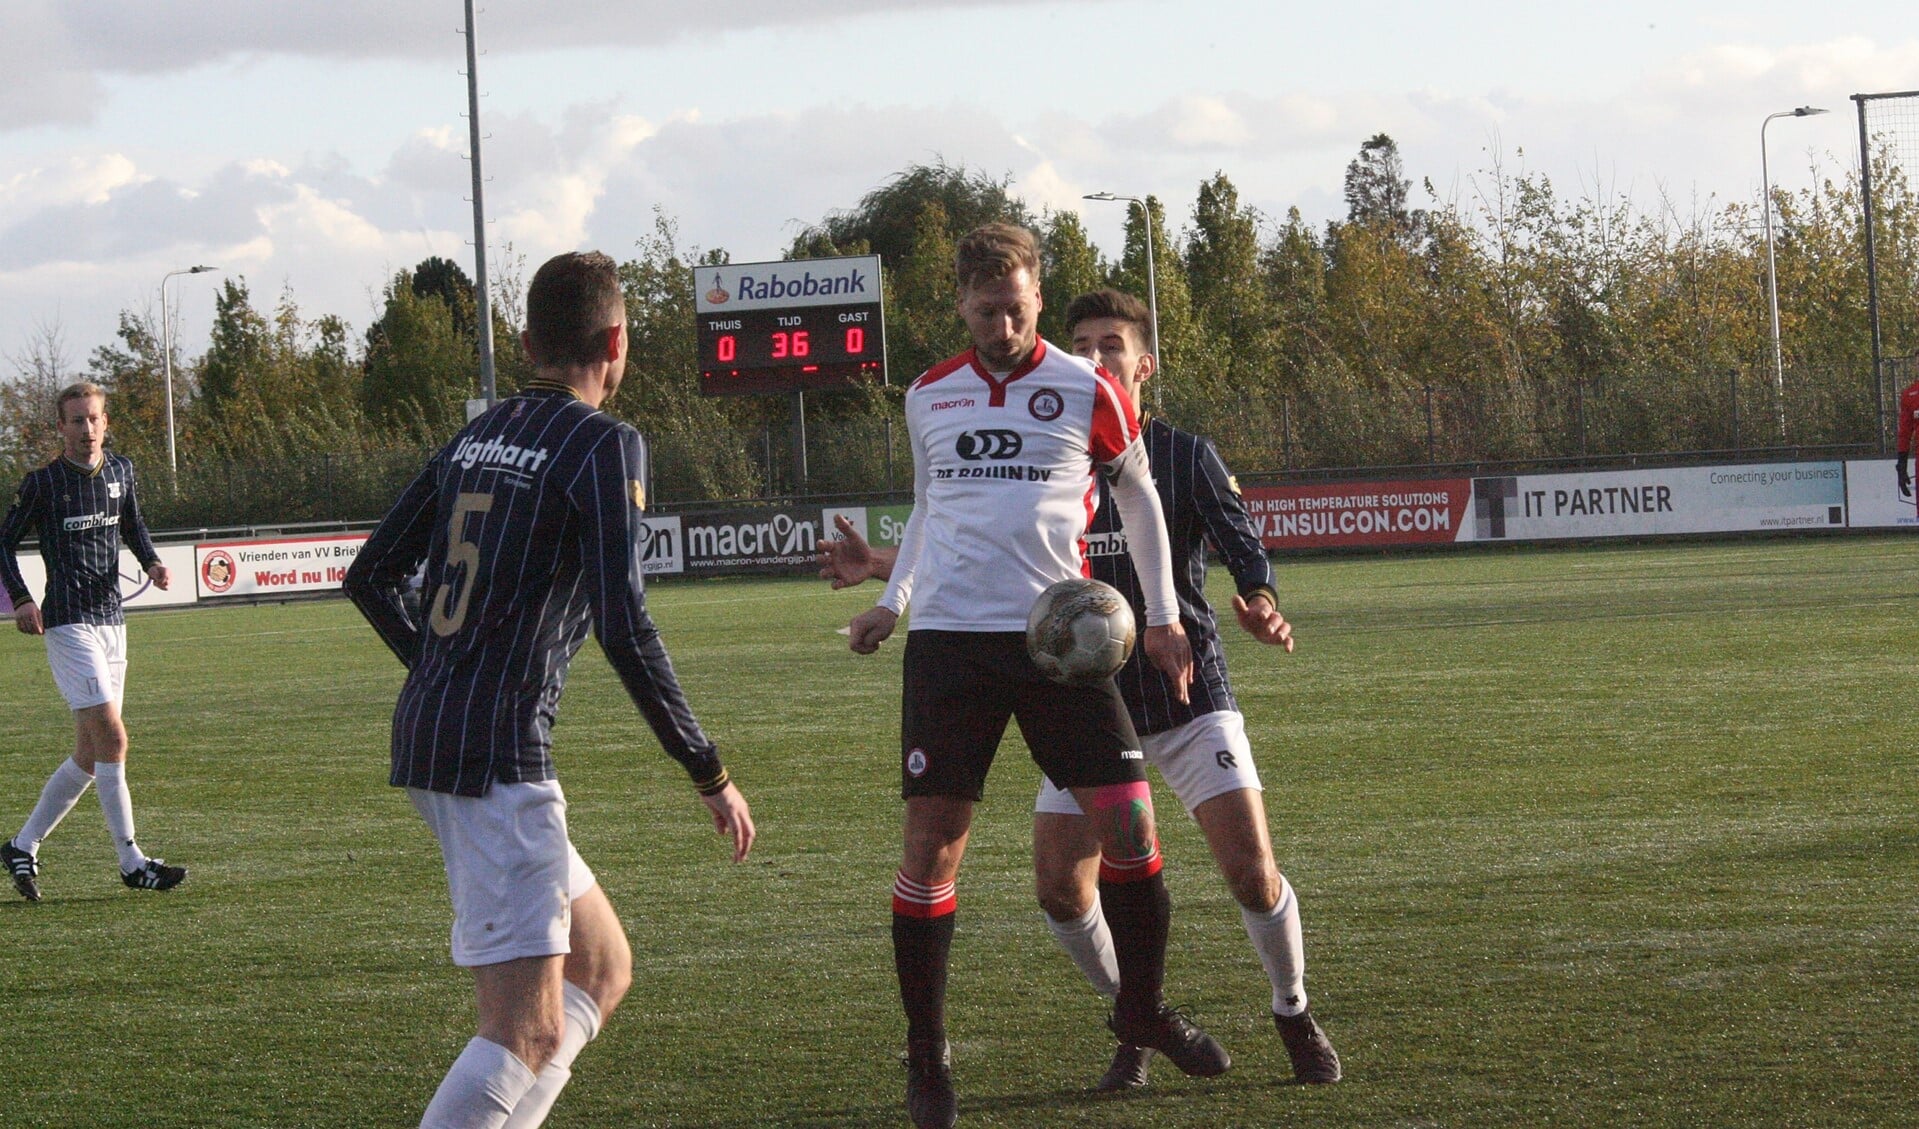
(510, 869)
(89, 663)
(1208, 756)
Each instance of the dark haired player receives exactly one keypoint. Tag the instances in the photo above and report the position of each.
(1010, 440)
(1198, 740)
(82, 503)
(529, 522)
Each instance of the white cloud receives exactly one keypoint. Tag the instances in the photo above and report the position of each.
(87, 178)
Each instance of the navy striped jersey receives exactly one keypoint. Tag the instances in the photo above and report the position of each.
(1202, 504)
(529, 522)
(81, 516)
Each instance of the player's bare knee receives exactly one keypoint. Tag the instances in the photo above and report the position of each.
(1062, 896)
(601, 961)
(101, 737)
(612, 976)
(1254, 882)
(933, 846)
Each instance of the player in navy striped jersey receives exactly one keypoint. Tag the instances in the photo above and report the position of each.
(82, 504)
(1198, 740)
(1010, 440)
(529, 522)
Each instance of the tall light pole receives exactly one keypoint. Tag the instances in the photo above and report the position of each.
(482, 288)
(1772, 272)
(166, 352)
(1152, 290)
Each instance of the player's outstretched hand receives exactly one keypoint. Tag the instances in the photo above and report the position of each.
(731, 818)
(162, 576)
(26, 617)
(848, 559)
(1170, 651)
(869, 629)
(1263, 622)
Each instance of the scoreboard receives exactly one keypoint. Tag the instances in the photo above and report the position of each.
(800, 325)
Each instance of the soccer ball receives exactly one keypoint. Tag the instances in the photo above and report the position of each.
(1079, 631)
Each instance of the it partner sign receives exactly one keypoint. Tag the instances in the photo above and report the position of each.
(274, 567)
(1763, 498)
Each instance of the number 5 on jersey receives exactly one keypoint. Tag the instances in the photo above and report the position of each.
(466, 555)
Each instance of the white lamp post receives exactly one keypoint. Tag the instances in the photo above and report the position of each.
(166, 352)
(1772, 273)
(1152, 291)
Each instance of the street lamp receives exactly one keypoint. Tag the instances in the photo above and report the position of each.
(166, 352)
(1152, 292)
(1772, 273)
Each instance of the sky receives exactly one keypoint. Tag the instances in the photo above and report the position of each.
(316, 149)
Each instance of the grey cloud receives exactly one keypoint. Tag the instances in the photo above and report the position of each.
(46, 83)
(71, 43)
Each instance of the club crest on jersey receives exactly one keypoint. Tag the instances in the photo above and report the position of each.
(1045, 405)
(113, 489)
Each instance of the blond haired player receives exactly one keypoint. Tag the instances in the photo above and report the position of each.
(82, 503)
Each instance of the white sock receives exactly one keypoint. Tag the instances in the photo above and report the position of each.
(117, 804)
(480, 1090)
(1090, 943)
(1277, 940)
(582, 1024)
(63, 790)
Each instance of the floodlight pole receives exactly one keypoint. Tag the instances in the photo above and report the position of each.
(166, 355)
(1772, 273)
(1152, 289)
(482, 306)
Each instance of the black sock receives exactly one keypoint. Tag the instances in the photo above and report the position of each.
(1138, 913)
(920, 948)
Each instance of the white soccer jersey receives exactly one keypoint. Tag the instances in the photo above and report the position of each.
(1004, 489)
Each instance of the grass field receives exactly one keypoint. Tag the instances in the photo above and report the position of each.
(1597, 837)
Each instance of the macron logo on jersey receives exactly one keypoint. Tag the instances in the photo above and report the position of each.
(471, 451)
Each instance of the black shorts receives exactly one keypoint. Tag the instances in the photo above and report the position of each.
(959, 689)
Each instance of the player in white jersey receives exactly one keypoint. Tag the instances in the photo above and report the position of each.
(1007, 439)
(1199, 745)
(1005, 463)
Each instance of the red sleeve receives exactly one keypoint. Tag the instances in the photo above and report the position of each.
(1114, 424)
(1907, 401)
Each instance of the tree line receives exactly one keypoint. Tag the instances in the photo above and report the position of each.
(1514, 324)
